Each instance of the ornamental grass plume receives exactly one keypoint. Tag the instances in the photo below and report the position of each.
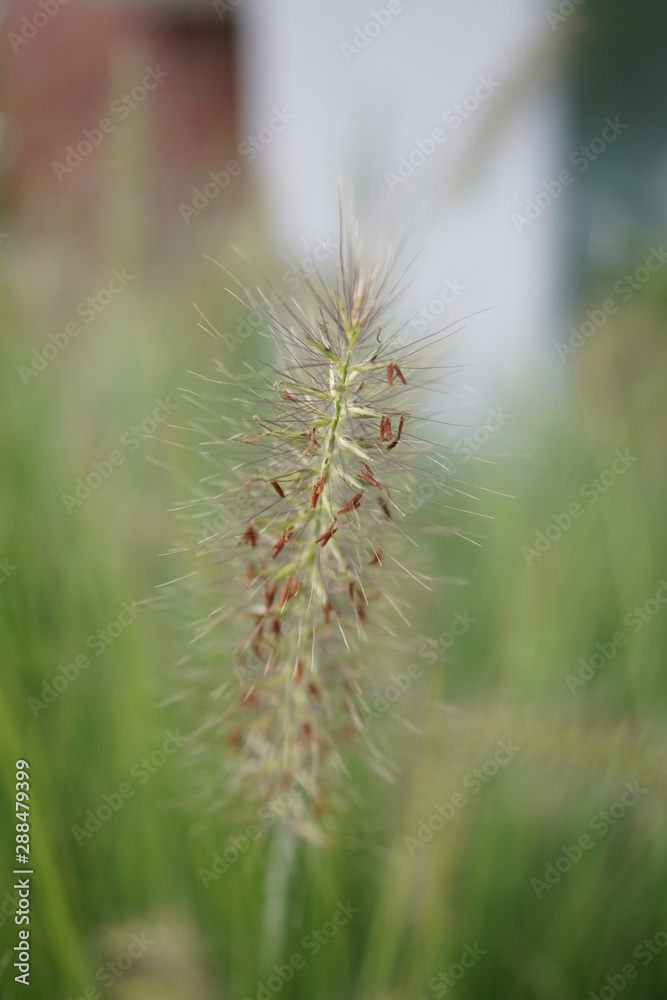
(318, 464)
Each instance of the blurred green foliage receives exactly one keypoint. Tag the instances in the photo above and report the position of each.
(504, 679)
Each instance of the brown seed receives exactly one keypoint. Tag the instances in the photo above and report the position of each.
(392, 370)
(274, 628)
(368, 477)
(249, 700)
(249, 537)
(306, 732)
(327, 534)
(398, 436)
(282, 542)
(318, 487)
(286, 394)
(377, 337)
(385, 508)
(314, 443)
(352, 503)
(376, 559)
(290, 590)
(385, 428)
(235, 738)
(268, 594)
(314, 691)
(298, 671)
(278, 488)
(350, 590)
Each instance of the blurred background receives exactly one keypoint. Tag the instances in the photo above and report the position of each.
(142, 140)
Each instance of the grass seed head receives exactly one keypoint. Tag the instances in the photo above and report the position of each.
(326, 550)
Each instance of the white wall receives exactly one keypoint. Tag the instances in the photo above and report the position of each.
(358, 112)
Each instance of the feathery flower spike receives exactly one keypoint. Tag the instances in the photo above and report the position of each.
(285, 711)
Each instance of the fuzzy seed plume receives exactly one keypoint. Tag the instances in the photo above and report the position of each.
(323, 463)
